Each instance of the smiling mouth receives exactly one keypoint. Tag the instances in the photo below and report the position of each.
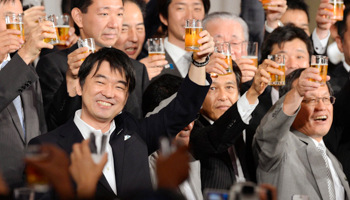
(321, 118)
(103, 103)
(131, 50)
(222, 107)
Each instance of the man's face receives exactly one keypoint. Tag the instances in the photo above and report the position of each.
(183, 137)
(295, 52)
(133, 33)
(178, 12)
(227, 31)
(103, 94)
(9, 8)
(315, 121)
(102, 21)
(223, 93)
(298, 18)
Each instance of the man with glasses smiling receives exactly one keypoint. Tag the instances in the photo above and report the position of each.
(289, 142)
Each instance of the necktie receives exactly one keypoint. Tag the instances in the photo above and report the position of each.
(322, 149)
(17, 103)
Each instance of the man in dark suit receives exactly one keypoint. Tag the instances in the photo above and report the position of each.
(21, 109)
(53, 68)
(105, 80)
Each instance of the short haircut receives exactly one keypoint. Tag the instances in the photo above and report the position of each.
(299, 5)
(290, 78)
(117, 60)
(163, 6)
(342, 25)
(160, 89)
(285, 34)
(6, 1)
(141, 4)
(227, 16)
(83, 6)
(65, 6)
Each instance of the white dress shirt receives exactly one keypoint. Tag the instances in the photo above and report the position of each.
(180, 56)
(85, 130)
(338, 187)
(275, 95)
(346, 66)
(245, 110)
(334, 54)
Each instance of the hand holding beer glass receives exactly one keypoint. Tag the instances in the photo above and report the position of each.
(250, 51)
(63, 29)
(53, 19)
(338, 9)
(278, 80)
(193, 28)
(321, 63)
(35, 178)
(15, 21)
(89, 43)
(225, 49)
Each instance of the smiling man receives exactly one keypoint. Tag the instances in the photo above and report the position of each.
(98, 19)
(289, 142)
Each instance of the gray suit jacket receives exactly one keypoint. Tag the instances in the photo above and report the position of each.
(289, 159)
(17, 78)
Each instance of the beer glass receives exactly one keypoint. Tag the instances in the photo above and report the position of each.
(225, 49)
(266, 3)
(193, 28)
(63, 28)
(97, 146)
(31, 3)
(155, 47)
(321, 63)
(53, 19)
(36, 179)
(278, 80)
(89, 42)
(15, 21)
(250, 51)
(338, 9)
(23, 193)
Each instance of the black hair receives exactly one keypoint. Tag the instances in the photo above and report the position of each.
(290, 78)
(117, 60)
(141, 4)
(342, 25)
(65, 6)
(160, 89)
(299, 5)
(238, 74)
(163, 6)
(83, 6)
(285, 34)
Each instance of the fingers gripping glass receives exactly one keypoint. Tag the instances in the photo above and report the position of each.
(97, 146)
(315, 101)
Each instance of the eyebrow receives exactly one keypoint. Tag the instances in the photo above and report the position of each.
(108, 8)
(141, 23)
(105, 77)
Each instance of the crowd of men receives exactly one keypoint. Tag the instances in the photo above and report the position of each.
(227, 129)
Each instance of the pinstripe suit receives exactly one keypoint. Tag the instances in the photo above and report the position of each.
(17, 78)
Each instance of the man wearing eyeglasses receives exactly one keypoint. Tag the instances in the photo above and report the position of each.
(289, 142)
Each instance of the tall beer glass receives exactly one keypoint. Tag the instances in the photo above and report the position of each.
(225, 49)
(63, 28)
(89, 43)
(338, 9)
(321, 63)
(155, 47)
(250, 51)
(193, 28)
(15, 21)
(53, 19)
(36, 179)
(278, 80)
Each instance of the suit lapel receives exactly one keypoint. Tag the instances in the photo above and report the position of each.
(174, 71)
(15, 118)
(30, 118)
(340, 174)
(117, 144)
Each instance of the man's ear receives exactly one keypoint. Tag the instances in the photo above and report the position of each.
(339, 43)
(79, 89)
(77, 16)
(163, 20)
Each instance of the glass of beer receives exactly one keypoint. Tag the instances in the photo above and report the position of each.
(31, 3)
(53, 19)
(250, 51)
(338, 9)
(321, 63)
(35, 178)
(193, 28)
(15, 21)
(63, 28)
(89, 43)
(266, 3)
(23, 193)
(225, 49)
(278, 80)
(155, 47)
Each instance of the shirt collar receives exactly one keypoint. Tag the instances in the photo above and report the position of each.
(175, 52)
(346, 66)
(6, 60)
(85, 129)
(209, 120)
(317, 143)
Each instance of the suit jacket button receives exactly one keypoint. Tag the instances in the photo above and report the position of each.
(20, 90)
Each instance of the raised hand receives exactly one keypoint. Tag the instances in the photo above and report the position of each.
(154, 65)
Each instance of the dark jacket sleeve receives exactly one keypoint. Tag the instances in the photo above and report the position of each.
(15, 77)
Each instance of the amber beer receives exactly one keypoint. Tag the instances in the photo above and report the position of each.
(266, 3)
(278, 80)
(228, 61)
(253, 58)
(191, 39)
(63, 35)
(156, 53)
(323, 68)
(55, 41)
(338, 9)
(17, 26)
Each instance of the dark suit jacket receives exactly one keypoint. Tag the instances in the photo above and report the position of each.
(131, 156)
(52, 70)
(17, 78)
(338, 75)
(210, 145)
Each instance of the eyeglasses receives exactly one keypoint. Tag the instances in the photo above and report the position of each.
(315, 101)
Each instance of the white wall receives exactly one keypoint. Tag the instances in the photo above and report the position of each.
(53, 7)
(232, 6)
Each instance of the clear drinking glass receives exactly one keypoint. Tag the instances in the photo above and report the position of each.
(155, 47)
(35, 178)
(321, 63)
(63, 28)
(278, 80)
(23, 193)
(225, 49)
(53, 19)
(338, 9)
(88, 42)
(15, 21)
(193, 28)
(250, 51)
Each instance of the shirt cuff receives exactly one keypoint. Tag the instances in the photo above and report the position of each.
(245, 109)
(320, 45)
